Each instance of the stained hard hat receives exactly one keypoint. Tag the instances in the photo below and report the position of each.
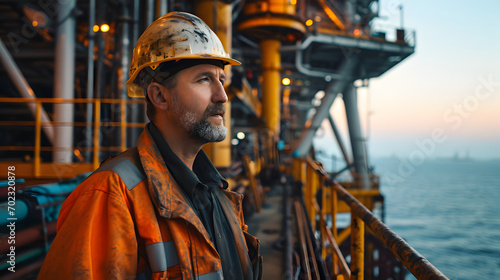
(173, 37)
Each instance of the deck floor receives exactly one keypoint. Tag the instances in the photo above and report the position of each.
(267, 226)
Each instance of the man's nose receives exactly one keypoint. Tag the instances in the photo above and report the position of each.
(219, 93)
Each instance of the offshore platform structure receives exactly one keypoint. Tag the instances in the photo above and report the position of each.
(64, 109)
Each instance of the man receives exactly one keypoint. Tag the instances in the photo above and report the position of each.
(161, 210)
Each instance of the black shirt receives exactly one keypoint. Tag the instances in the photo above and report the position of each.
(199, 186)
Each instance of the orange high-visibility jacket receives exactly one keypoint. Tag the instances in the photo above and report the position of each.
(130, 220)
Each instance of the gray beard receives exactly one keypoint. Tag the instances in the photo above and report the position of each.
(203, 130)
(207, 133)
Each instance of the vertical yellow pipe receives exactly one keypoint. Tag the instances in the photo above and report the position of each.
(312, 184)
(38, 136)
(221, 23)
(305, 189)
(325, 194)
(123, 124)
(271, 66)
(296, 169)
(357, 248)
(97, 126)
(313, 191)
(334, 227)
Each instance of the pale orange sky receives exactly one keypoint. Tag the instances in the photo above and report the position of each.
(451, 82)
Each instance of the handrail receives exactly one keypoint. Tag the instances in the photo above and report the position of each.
(68, 100)
(418, 265)
(94, 124)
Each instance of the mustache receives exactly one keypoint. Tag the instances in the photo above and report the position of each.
(214, 109)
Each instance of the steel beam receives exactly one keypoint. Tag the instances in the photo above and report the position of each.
(334, 88)
(150, 13)
(90, 72)
(357, 140)
(24, 89)
(161, 8)
(64, 80)
(339, 141)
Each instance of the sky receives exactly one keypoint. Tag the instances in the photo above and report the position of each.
(444, 100)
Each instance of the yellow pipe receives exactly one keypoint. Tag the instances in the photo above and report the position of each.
(312, 183)
(271, 83)
(97, 126)
(38, 136)
(221, 23)
(357, 248)
(305, 190)
(296, 169)
(325, 193)
(333, 213)
(123, 125)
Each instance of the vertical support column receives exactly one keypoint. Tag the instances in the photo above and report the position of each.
(334, 228)
(38, 136)
(340, 142)
(161, 8)
(298, 170)
(357, 140)
(271, 84)
(90, 73)
(350, 6)
(135, 109)
(123, 124)
(357, 248)
(97, 132)
(312, 187)
(325, 194)
(125, 51)
(150, 13)
(64, 80)
(221, 23)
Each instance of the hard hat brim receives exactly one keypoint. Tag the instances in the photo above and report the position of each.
(134, 90)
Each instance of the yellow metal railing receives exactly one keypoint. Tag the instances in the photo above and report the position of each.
(36, 168)
(315, 179)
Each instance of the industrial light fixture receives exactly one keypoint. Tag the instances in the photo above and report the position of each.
(240, 135)
(104, 27)
(36, 17)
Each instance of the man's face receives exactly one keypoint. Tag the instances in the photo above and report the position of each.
(197, 102)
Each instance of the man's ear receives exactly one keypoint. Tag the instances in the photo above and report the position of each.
(157, 95)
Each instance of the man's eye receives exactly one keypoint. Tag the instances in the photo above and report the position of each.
(205, 79)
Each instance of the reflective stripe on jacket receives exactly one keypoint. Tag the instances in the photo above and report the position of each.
(130, 220)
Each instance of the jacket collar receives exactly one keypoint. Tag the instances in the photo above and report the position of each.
(203, 173)
(171, 202)
(167, 196)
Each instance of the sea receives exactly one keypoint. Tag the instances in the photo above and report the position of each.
(446, 209)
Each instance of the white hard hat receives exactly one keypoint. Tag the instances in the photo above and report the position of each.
(173, 37)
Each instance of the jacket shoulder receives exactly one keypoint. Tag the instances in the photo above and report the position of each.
(127, 166)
